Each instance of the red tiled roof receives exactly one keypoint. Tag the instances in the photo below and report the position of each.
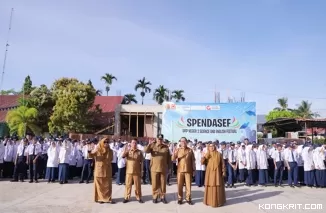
(7, 101)
(3, 116)
(108, 103)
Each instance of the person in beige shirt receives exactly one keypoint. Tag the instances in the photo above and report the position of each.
(160, 163)
(134, 164)
(186, 169)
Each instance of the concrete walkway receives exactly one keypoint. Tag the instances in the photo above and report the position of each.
(78, 198)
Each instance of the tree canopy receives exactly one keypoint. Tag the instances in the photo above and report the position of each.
(274, 114)
(22, 120)
(74, 100)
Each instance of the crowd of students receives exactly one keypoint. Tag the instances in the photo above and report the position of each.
(62, 160)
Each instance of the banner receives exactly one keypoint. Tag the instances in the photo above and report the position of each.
(230, 122)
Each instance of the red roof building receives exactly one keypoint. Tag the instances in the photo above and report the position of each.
(7, 102)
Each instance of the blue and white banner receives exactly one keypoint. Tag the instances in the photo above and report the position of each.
(230, 122)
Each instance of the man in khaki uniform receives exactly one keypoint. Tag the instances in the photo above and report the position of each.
(134, 160)
(186, 169)
(160, 163)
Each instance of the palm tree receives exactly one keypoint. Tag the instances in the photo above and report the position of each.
(144, 86)
(129, 98)
(161, 94)
(22, 119)
(108, 79)
(304, 110)
(177, 95)
(98, 92)
(283, 104)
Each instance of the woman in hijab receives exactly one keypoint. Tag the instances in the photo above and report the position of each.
(214, 194)
(308, 166)
(319, 158)
(262, 165)
(64, 154)
(242, 162)
(300, 165)
(103, 172)
(251, 165)
(52, 163)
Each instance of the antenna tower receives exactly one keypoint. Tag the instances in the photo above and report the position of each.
(6, 51)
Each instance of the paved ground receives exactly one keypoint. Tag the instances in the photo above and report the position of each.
(76, 198)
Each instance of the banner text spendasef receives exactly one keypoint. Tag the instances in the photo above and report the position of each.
(310, 206)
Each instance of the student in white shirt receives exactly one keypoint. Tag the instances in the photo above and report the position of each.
(251, 164)
(278, 157)
(64, 153)
(308, 166)
(200, 168)
(262, 165)
(9, 158)
(52, 162)
(80, 160)
(242, 163)
(114, 147)
(20, 162)
(291, 159)
(319, 161)
(121, 163)
(232, 165)
(73, 161)
(88, 161)
(148, 168)
(34, 153)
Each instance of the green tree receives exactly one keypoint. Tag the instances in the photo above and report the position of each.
(177, 95)
(28, 86)
(304, 110)
(129, 98)
(71, 112)
(9, 92)
(98, 92)
(283, 104)
(108, 79)
(41, 98)
(274, 114)
(161, 94)
(143, 85)
(22, 120)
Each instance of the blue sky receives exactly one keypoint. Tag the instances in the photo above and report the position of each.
(265, 48)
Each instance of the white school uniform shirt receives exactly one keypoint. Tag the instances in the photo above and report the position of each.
(2, 152)
(262, 156)
(271, 151)
(53, 157)
(319, 157)
(242, 160)
(308, 161)
(114, 151)
(73, 156)
(225, 153)
(44, 147)
(32, 147)
(121, 162)
(234, 152)
(276, 156)
(20, 149)
(9, 155)
(85, 152)
(251, 159)
(148, 156)
(64, 153)
(79, 158)
(199, 165)
(288, 156)
(299, 151)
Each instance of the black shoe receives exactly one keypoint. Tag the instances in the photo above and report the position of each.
(81, 181)
(125, 201)
(36, 181)
(100, 202)
(61, 182)
(227, 186)
(275, 185)
(30, 181)
(179, 202)
(14, 181)
(280, 185)
(291, 186)
(164, 201)
(154, 200)
(87, 182)
(189, 202)
(111, 202)
(140, 201)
